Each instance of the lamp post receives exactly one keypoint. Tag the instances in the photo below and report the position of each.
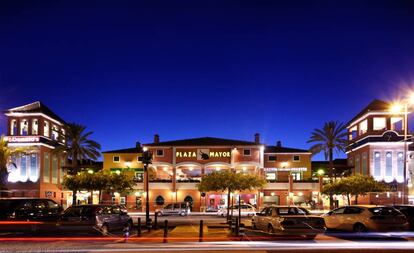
(146, 160)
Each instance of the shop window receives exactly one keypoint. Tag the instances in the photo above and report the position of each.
(297, 176)
(272, 158)
(34, 167)
(35, 127)
(116, 159)
(379, 123)
(24, 127)
(23, 168)
(159, 200)
(377, 164)
(271, 176)
(296, 158)
(388, 164)
(159, 152)
(400, 166)
(397, 124)
(46, 168)
(363, 127)
(13, 127)
(46, 129)
(139, 177)
(247, 152)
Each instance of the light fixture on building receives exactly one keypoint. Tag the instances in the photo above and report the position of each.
(137, 194)
(388, 194)
(272, 194)
(118, 172)
(244, 168)
(291, 194)
(165, 169)
(128, 164)
(217, 168)
(90, 171)
(191, 168)
(300, 194)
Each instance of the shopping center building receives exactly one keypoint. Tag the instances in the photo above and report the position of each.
(36, 131)
(178, 166)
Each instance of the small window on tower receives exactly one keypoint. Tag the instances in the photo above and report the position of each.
(35, 127)
(296, 158)
(159, 152)
(116, 159)
(247, 152)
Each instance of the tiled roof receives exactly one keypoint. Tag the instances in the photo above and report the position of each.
(204, 141)
(376, 105)
(36, 107)
(279, 149)
(125, 150)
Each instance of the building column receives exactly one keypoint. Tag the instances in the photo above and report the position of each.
(174, 179)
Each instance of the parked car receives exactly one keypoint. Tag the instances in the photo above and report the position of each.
(362, 218)
(288, 220)
(26, 215)
(246, 210)
(408, 211)
(211, 209)
(94, 218)
(181, 208)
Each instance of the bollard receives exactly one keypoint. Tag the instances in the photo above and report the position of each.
(139, 227)
(165, 231)
(155, 220)
(201, 231)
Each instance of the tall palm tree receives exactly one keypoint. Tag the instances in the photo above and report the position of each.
(78, 148)
(332, 137)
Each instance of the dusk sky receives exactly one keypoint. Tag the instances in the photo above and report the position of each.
(184, 69)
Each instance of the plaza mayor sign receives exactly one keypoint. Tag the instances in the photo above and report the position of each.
(203, 154)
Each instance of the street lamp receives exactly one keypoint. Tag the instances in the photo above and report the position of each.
(146, 160)
(397, 108)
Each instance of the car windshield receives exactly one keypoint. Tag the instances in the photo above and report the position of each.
(290, 211)
(384, 211)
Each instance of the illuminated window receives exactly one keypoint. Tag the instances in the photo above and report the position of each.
(388, 164)
(364, 164)
(23, 168)
(55, 133)
(297, 176)
(24, 127)
(377, 164)
(379, 123)
(63, 135)
(247, 152)
(54, 169)
(296, 158)
(116, 159)
(353, 133)
(13, 127)
(159, 153)
(46, 129)
(363, 127)
(272, 158)
(35, 127)
(400, 165)
(397, 124)
(46, 168)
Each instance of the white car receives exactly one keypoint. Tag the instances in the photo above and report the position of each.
(246, 210)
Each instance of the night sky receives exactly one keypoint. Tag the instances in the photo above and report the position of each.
(185, 69)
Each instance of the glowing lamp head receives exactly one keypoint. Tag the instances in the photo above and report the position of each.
(90, 171)
(165, 168)
(145, 149)
(244, 168)
(321, 172)
(396, 108)
(191, 168)
(118, 172)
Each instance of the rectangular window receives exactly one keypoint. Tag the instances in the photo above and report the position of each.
(363, 127)
(35, 127)
(55, 133)
(159, 152)
(377, 165)
(397, 124)
(54, 169)
(46, 168)
(400, 165)
(24, 127)
(139, 159)
(379, 123)
(46, 129)
(297, 176)
(271, 158)
(247, 152)
(388, 164)
(23, 167)
(364, 164)
(34, 167)
(63, 136)
(116, 159)
(62, 172)
(296, 158)
(271, 176)
(13, 127)
(353, 133)
(357, 164)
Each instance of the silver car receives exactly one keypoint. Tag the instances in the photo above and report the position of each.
(182, 209)
(288, 220)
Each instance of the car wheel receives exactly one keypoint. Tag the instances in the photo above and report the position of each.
(270, 229)
(104, 230)
(358, 227)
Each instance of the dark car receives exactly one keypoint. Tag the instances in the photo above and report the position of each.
(28, 215)
(94, 219)
(408, 211)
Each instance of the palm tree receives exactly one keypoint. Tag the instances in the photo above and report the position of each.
(5, 161)
(78, 148)
(332, 137)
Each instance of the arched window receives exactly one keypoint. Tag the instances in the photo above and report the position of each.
(24, 127)
(188, 199)
(159, 200)
(13, 127)
(35, 127)
(46, 129)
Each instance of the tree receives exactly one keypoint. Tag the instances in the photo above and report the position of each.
(356, 186)
(332, 137)
(6, 154)
(121, 183)
(229, 181)
(78, 148)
